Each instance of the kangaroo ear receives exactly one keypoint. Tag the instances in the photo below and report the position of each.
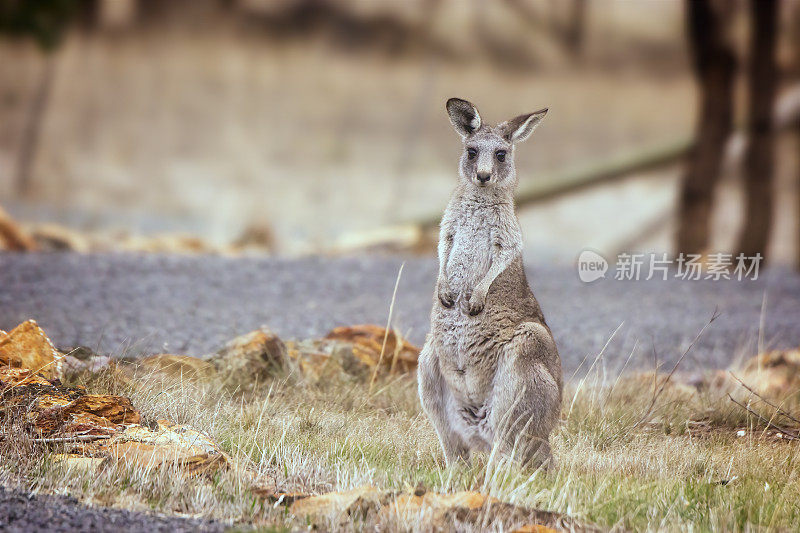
(520, 128)
(464, 116)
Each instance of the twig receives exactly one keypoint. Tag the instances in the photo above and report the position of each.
(778, 409)
(73, 438)
(649, 410)
(792, 435)
(388, 325)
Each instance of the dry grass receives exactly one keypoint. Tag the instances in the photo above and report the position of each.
(298, 436)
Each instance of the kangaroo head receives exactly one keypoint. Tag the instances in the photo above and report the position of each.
(488, 157)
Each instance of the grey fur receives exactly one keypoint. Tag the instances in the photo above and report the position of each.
(489, 373)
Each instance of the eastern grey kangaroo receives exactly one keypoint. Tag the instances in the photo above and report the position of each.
(489, 373)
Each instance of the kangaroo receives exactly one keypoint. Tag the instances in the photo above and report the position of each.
(489, 372)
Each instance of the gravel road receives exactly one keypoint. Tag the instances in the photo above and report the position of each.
(133, 304)
(127, 304)
(21, 512)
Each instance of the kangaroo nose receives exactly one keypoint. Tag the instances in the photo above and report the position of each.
(483, 177)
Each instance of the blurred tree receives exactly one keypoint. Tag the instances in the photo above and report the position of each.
(575, 28)
(714, 63)
(44, 21)
(759, 159)
(568, 31)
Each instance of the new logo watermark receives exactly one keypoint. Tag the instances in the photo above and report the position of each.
(591, 266)
(691, 267)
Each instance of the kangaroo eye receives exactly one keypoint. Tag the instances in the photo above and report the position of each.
(501, 155)
(471, 153)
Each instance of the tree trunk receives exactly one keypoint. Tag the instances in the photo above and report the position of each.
(575, 30)
(759, 159)
(714, 63)
(33, 126)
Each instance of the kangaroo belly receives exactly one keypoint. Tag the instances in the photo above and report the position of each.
(467, 358)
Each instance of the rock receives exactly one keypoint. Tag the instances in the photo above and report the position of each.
(14, 377)
(31, 393)
(178, 366)
(255, 237)
(367, 341)
(27, 346)
(251, 358)
(115, 409)
(774, 375)
(100, 426)
(466, 510)
(438, 503)
(95, 364)
(169, 243)
(13, 237)
(396, 239)
(48, 409)
(54, 238)
(359, 500)
(75, 461)
(534, 528)
(168, 444)
(319, 360)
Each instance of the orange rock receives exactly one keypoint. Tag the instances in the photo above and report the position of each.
(50, 409)
(27, 346)
(12, 377)
(336, 503)
(74, 461)
(115, 409)
(439, 512)
(168, 444)
(774, 374)
(534, 528)
(12, 236)
(368, 341)
(55, 237)
(438, 502)
(89, 424)
(250, 358)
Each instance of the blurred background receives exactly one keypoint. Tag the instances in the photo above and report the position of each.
(318, 126)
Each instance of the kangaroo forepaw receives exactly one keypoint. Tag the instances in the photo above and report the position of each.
(475, 303)
(474, 308)
(447, 297)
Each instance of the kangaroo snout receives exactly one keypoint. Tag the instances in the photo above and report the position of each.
(484, 177)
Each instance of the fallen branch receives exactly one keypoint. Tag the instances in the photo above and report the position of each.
(72, 438)
(790, 434)
(778, 409)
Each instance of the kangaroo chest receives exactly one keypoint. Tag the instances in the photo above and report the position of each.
(471, 255)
